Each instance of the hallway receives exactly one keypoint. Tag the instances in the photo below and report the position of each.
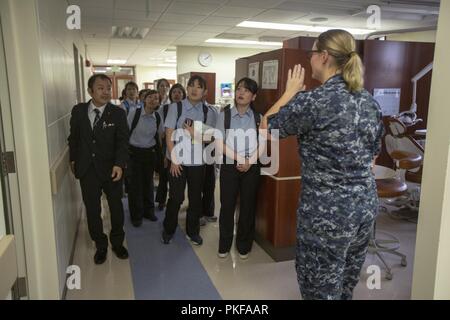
(180, 271)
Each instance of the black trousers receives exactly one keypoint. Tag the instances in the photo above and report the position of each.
(209, 185)
(161, 193)
(140, 190)
(232, 184)
(194, 177)
(91, 190)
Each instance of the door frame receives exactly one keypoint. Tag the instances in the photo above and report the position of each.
(10, 181)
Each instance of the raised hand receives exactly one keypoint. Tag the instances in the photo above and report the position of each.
(296, 80)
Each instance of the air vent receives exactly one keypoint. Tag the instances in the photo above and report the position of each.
(425, 3)
(128, 32)
(234, 36)
(318, 19)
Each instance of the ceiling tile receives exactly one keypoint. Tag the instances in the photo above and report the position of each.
(164, 33)
(172, 26)
(93, 13)
(136, 15)
(248, 31)
(263, 4)
(133, 23)
(182, 18)
(125, 42)
(210, 28)
(141, 5)
(200, 35)
(280, 16)
(237, 12)
(187, 42)
(192, 8)
(222, 21)
(89, 3)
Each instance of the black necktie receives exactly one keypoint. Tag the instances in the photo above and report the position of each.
(97, 117)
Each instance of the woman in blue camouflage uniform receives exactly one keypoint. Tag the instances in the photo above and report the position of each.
(339, 127)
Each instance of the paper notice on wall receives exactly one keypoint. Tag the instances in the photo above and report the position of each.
(253, 71)
(389, 100)
(270, 75)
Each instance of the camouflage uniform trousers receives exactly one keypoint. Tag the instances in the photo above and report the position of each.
(330, 256)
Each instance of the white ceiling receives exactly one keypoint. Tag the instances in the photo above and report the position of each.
(191, 22)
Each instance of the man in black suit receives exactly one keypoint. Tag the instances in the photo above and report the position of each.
(98, 144)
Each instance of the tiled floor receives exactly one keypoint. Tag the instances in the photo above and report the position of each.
(259, 277)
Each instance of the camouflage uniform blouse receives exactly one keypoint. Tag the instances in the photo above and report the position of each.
(339, 134)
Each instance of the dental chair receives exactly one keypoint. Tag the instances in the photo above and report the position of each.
(389, 186)
(407, 155)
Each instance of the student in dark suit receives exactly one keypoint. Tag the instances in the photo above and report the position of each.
(98, 144)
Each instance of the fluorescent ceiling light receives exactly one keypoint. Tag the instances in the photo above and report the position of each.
(298, 27)
(169, 65)
(171, 60)
(116, 61)
(249, 42)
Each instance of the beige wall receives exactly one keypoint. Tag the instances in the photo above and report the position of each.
(424, 36)
(149, 74)
(431, 279)
(223, 62)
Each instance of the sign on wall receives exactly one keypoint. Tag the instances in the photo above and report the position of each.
(270, 75)
(389, 100)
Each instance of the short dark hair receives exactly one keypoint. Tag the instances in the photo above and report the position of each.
(143, 91)
(249, 84)
(150, 92)
(133, 84)
(199, 79)
(158, 83)
(94, 77)
(177, 86)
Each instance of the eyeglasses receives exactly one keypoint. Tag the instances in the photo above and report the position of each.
(310, 53)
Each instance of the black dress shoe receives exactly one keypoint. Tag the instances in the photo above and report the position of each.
(121, 252)
(166, 238)
(100, 256)
(136, 223)
(151, 216)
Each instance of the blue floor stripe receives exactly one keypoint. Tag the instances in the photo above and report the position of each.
(165, 272)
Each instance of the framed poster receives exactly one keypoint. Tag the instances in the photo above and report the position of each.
(270, 75)
(226, 90)
(389, 100)
(253, 71)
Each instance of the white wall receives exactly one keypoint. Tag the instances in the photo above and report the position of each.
(59, 84)
(223, 62)
(150, 74)
(39, 53)
(423, 36)
(431, 278)
(19, 22)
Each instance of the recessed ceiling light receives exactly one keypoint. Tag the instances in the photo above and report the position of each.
(116, 61)
(299, 27)
(249, 42)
